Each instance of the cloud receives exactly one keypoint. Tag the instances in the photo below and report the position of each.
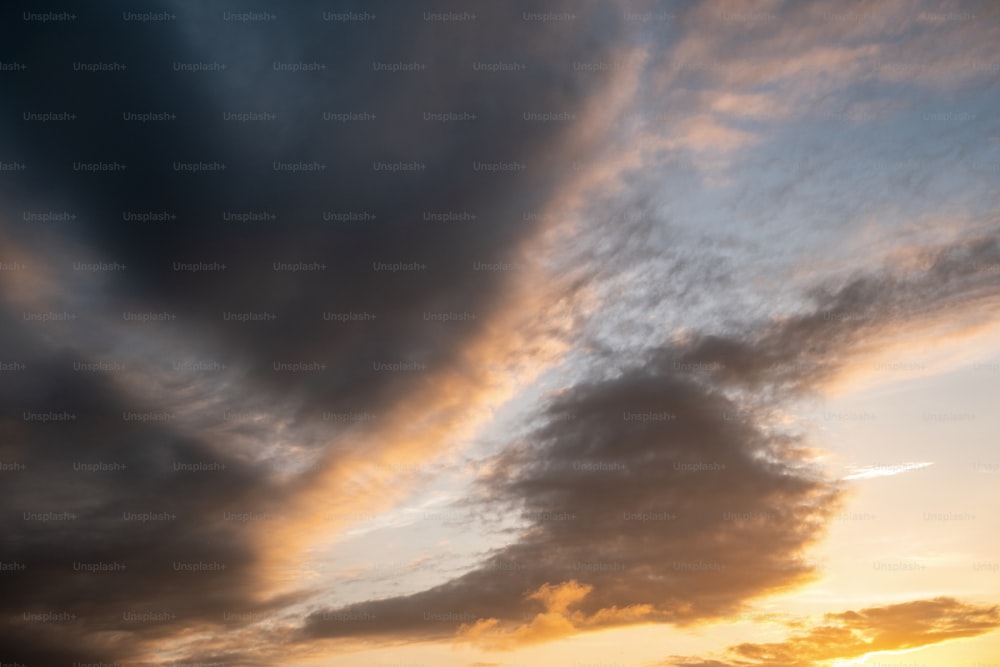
(806, 350)
(870, 631)
(653, 488)
(369, 315)
(555, 622)
(645, 498)
(336, 319)
(868, 472)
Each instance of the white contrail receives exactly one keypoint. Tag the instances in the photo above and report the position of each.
(867, 472)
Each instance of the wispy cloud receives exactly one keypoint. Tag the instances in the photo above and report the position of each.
(868, 472)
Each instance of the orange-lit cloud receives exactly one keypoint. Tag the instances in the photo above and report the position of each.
(855, 634)
(556, 621)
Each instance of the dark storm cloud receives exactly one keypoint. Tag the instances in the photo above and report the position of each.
(668, 513)
(104, 529)
(348, 183)
(216, 517)
(652, 488)
(666, 492)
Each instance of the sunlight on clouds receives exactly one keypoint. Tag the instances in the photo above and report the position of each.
(556, 621)
(742, 232)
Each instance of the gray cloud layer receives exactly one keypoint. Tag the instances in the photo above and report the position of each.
(195, 510)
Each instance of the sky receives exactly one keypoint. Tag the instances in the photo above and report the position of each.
(579, 333)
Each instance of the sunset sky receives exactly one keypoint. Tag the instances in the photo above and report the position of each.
(573, 333)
